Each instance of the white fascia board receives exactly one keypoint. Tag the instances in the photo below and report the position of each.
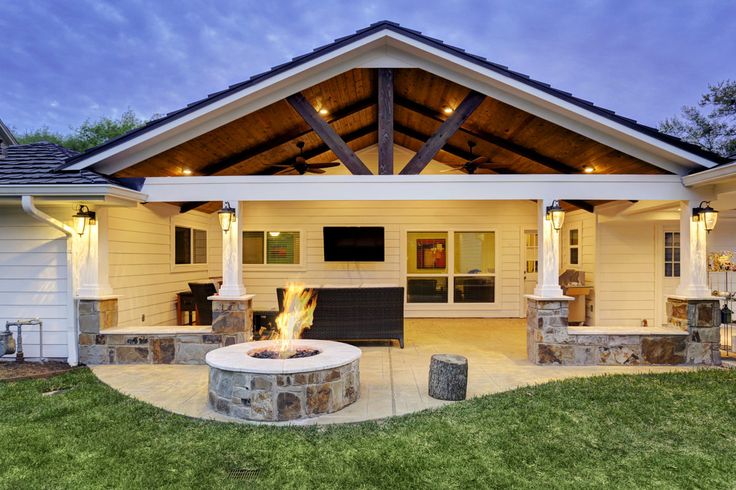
(717, 175)
(553, 109)
(419, 187)
(394, 50)
(87, 192)
(232, 107)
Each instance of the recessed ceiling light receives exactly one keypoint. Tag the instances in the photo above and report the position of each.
(186, 171)
(324, 111)
(448, 110)
(588, 169)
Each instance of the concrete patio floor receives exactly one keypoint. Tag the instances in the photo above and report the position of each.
(393, 380)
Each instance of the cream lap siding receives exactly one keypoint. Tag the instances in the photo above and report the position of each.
(33, 281)
(626, 285)
(506, 218)
(140, 247)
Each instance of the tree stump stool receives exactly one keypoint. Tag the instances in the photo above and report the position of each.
(448, 377)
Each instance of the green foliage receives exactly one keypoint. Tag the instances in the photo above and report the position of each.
(672, 430)
(89, 134)
(712, 123)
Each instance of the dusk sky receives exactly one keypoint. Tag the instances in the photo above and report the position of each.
(62, 62)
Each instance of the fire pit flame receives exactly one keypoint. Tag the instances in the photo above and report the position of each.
(298, 314)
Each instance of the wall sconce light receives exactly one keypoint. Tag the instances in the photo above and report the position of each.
(706, 214)
(83, 216)
(556, 215)
(226, 216)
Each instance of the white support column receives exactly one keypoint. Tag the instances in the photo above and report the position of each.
(91, 259)
(693, 255)
(548, 277)
(232, 257)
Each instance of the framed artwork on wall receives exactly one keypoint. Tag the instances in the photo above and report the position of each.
(431, 253)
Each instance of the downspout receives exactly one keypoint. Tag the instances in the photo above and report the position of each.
(30, 208)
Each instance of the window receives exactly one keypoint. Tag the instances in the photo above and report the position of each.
(462, 262)
(574, 246)
(190, 246)
(271, 247)
(671, 254)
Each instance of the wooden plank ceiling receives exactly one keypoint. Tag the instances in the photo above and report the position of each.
(516, 141)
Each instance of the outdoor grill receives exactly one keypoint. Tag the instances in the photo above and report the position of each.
(572, 283)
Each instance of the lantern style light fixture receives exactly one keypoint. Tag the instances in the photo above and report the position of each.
(83, 216)
(556, 215)
(226, 216)
(706, 214)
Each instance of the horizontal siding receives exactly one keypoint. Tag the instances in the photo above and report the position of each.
(507, 218)
(626, 274)
(33, 279)
(140, 260)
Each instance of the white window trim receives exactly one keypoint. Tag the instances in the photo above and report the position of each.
(300, 267)
(187, 267)
(663, 261)
(496, 304)
(579, 246)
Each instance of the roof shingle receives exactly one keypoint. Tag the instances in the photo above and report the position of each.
(37, 163)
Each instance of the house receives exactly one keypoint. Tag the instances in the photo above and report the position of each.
(463, 164)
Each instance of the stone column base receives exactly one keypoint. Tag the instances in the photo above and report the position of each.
(546, 331)
(97, 314)
(233, 315)
(701, 318)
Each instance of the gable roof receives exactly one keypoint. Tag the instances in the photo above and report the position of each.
(6, 136)
(38, 163)
(417, 36)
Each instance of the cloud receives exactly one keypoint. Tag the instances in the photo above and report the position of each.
(94, 58)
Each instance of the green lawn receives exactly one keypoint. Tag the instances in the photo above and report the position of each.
(648, 431)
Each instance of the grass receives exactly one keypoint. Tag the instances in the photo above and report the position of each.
(673, 430)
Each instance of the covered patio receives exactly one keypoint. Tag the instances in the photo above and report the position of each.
(393, 381)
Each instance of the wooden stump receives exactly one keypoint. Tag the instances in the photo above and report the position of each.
(448, 377)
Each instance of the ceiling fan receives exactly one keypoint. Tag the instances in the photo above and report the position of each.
(301, 166)
(477, 163)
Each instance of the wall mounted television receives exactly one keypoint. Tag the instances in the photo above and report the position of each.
(353, 243)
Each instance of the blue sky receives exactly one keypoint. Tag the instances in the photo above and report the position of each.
(63, 61)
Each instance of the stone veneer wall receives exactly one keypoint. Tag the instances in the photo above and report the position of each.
(549, 342)
(702, 321)
(280, 397)
(232, 324)
(184, 348)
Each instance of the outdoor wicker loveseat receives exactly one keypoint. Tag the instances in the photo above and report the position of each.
(356, 313)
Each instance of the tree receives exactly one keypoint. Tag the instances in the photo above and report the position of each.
(88, 134)
(712, 123)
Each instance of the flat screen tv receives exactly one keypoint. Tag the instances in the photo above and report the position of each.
(353, 243)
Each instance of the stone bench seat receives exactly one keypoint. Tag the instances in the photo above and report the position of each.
(643, 331)
(154, 344)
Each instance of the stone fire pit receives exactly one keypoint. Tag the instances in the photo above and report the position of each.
(250, 388)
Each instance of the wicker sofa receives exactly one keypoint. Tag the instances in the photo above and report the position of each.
(356, 313)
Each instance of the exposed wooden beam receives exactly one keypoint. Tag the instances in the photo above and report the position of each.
(516, 148)
(347, 156)
(421, 137)
(385, 121)
(584, 205)
(241, 156)
(190, 206)
(435, 142)
(323, 148)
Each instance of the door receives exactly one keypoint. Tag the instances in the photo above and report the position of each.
(668, 268)
(530, 264)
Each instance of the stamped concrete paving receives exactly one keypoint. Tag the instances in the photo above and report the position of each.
(393, 380)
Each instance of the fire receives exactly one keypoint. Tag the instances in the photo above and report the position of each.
(298, 314)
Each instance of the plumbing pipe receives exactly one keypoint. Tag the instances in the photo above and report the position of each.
(28, 205)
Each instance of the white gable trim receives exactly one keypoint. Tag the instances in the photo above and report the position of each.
(390, 49)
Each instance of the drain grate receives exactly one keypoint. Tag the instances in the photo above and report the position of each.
(244, 474)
